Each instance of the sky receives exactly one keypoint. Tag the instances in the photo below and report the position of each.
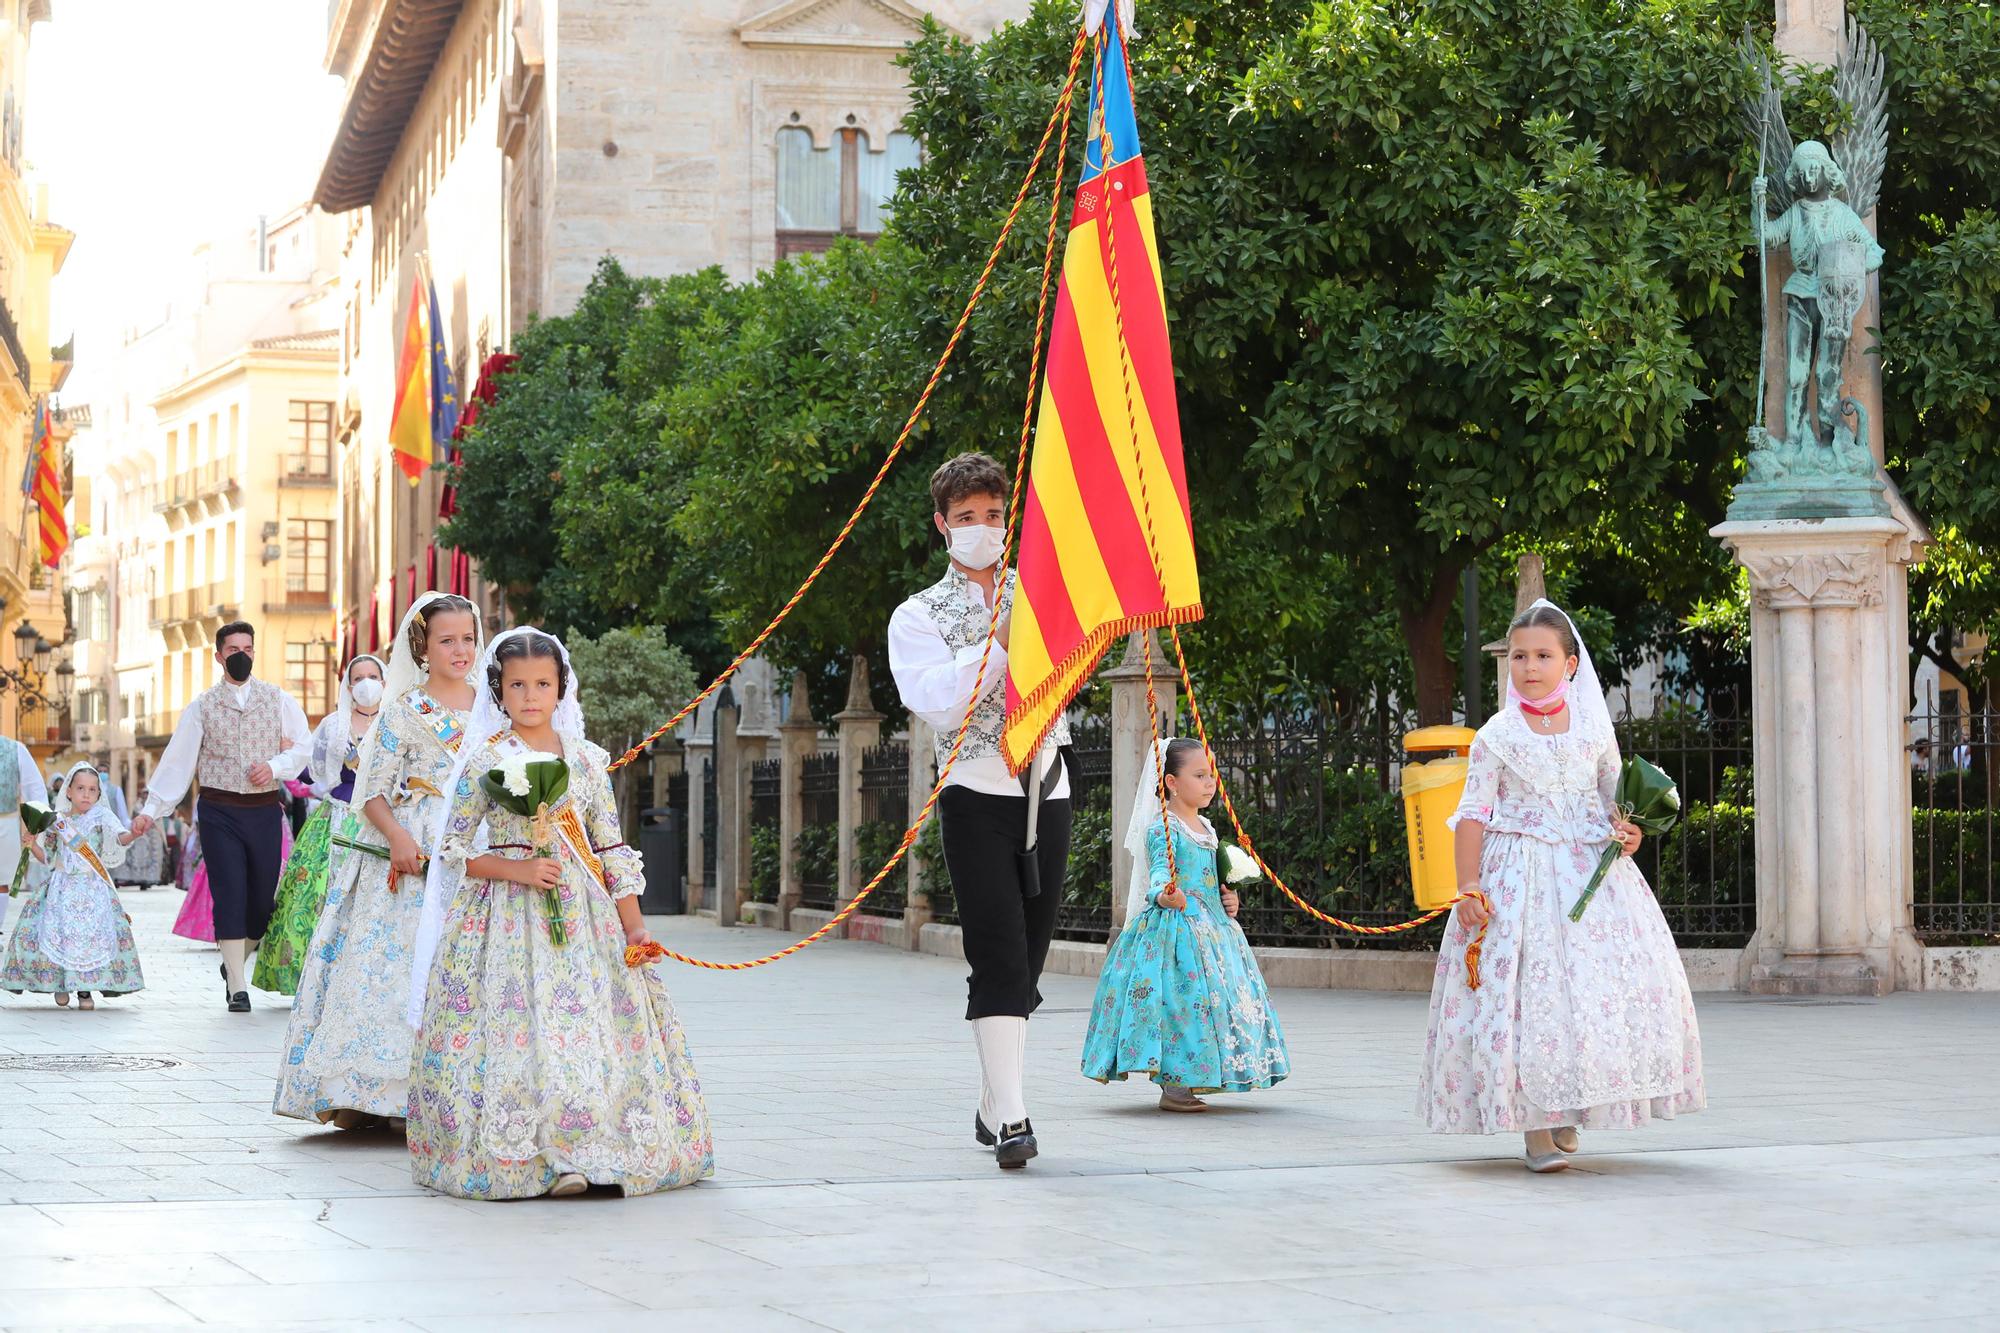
(158, 125)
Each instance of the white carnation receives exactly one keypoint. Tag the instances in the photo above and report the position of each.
(514, 775)
(1237, 865)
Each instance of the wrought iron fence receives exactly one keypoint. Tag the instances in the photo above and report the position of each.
(818, 849)
(1704, 872)
(1086, 910)
(708, 834)
(766, 850)
(1953, 763)
(885, 813)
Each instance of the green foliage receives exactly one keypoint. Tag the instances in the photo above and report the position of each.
(1709, 861)
(818, 852)
(1447, 281)
(1954, 879)
(874, 843)
(632, 678)
(935, 879)
(1087, 877)
(766, 862)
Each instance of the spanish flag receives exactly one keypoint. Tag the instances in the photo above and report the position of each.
(48, 491)
(1107, 546)
(426, 411)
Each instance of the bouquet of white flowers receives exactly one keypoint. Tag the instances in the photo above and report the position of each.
(529, 786)
(1238, 866)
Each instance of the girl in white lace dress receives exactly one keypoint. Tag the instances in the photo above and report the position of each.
(73, 935)
(1573, 1025)
(347, 1051)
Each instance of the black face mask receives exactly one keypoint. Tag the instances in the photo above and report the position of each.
(237, 664)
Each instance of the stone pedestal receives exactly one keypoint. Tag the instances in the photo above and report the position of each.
(730, 813)
(699, 753)
(798, 740)
(917, 911)
(859, 728)
(1131, 733)
(1830, 676)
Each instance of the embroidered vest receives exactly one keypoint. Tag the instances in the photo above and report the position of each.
(10, 777)
(233, 739)
(961, 615)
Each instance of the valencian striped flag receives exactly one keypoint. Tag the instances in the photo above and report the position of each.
(1106, 542)
(48, 494)
(426, 411)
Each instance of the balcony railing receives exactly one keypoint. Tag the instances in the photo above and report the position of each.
(11, 336)
(43, 725)
(154, 728)
(213, 600)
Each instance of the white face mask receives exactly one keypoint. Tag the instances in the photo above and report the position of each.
(367, 692)
(977, 546)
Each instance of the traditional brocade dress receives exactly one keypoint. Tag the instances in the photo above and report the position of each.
(308, 873)
(1181, 998)
(73, 934)
(1587, 1023)
(348, 1046)
(538, 1059)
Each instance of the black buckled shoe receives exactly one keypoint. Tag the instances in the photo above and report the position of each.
(239, 1003)
(1016, 1145)
(980, 1133)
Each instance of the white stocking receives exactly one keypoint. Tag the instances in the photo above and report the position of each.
(1002, 1044)
(232, 959)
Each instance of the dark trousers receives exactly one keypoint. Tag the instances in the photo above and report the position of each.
(243, 847)
(1006, 936)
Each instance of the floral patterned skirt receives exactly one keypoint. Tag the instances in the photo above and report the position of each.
(347, 1046)
(72, 935)
(301, 895)
(1587, 1023)
(538, 1059)
(1181, 1000)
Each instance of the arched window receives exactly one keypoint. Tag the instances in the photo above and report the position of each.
(840, 189)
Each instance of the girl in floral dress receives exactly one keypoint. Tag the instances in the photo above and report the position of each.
(73, 935)
(544, 1067)
(1573, 1025)
(347, 1052)
(310, 867)
(1181, 998)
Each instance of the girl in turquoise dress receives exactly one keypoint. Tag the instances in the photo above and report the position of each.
(1181, 999)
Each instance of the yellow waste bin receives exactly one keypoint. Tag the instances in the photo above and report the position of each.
(1430, 793)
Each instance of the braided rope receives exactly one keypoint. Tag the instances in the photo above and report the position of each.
(1064, 103)
(1058, 114)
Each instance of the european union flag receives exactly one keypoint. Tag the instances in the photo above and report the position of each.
(444, 384)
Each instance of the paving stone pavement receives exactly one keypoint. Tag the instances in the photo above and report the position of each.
(1847, 1175)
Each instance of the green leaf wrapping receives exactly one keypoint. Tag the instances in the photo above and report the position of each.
(1644, 796)
(548, 783)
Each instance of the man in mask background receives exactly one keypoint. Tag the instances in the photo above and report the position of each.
(1007, 914)
(241, 740)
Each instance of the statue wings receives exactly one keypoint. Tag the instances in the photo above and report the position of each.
(1861, 152)
(1764, 121)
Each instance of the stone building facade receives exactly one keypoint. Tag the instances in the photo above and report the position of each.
(32, 251)
(206, 491)
(503, 147)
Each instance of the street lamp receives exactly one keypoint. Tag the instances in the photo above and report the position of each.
(24, 642)
(43, 650)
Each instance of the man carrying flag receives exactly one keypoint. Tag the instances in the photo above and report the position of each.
(1106, 548)
(1007, 897)
(426, 411)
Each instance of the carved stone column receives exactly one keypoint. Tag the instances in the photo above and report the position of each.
(729, 812)
(859, 728)
(1830, 684)
(798, 740)
(1131, 733)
